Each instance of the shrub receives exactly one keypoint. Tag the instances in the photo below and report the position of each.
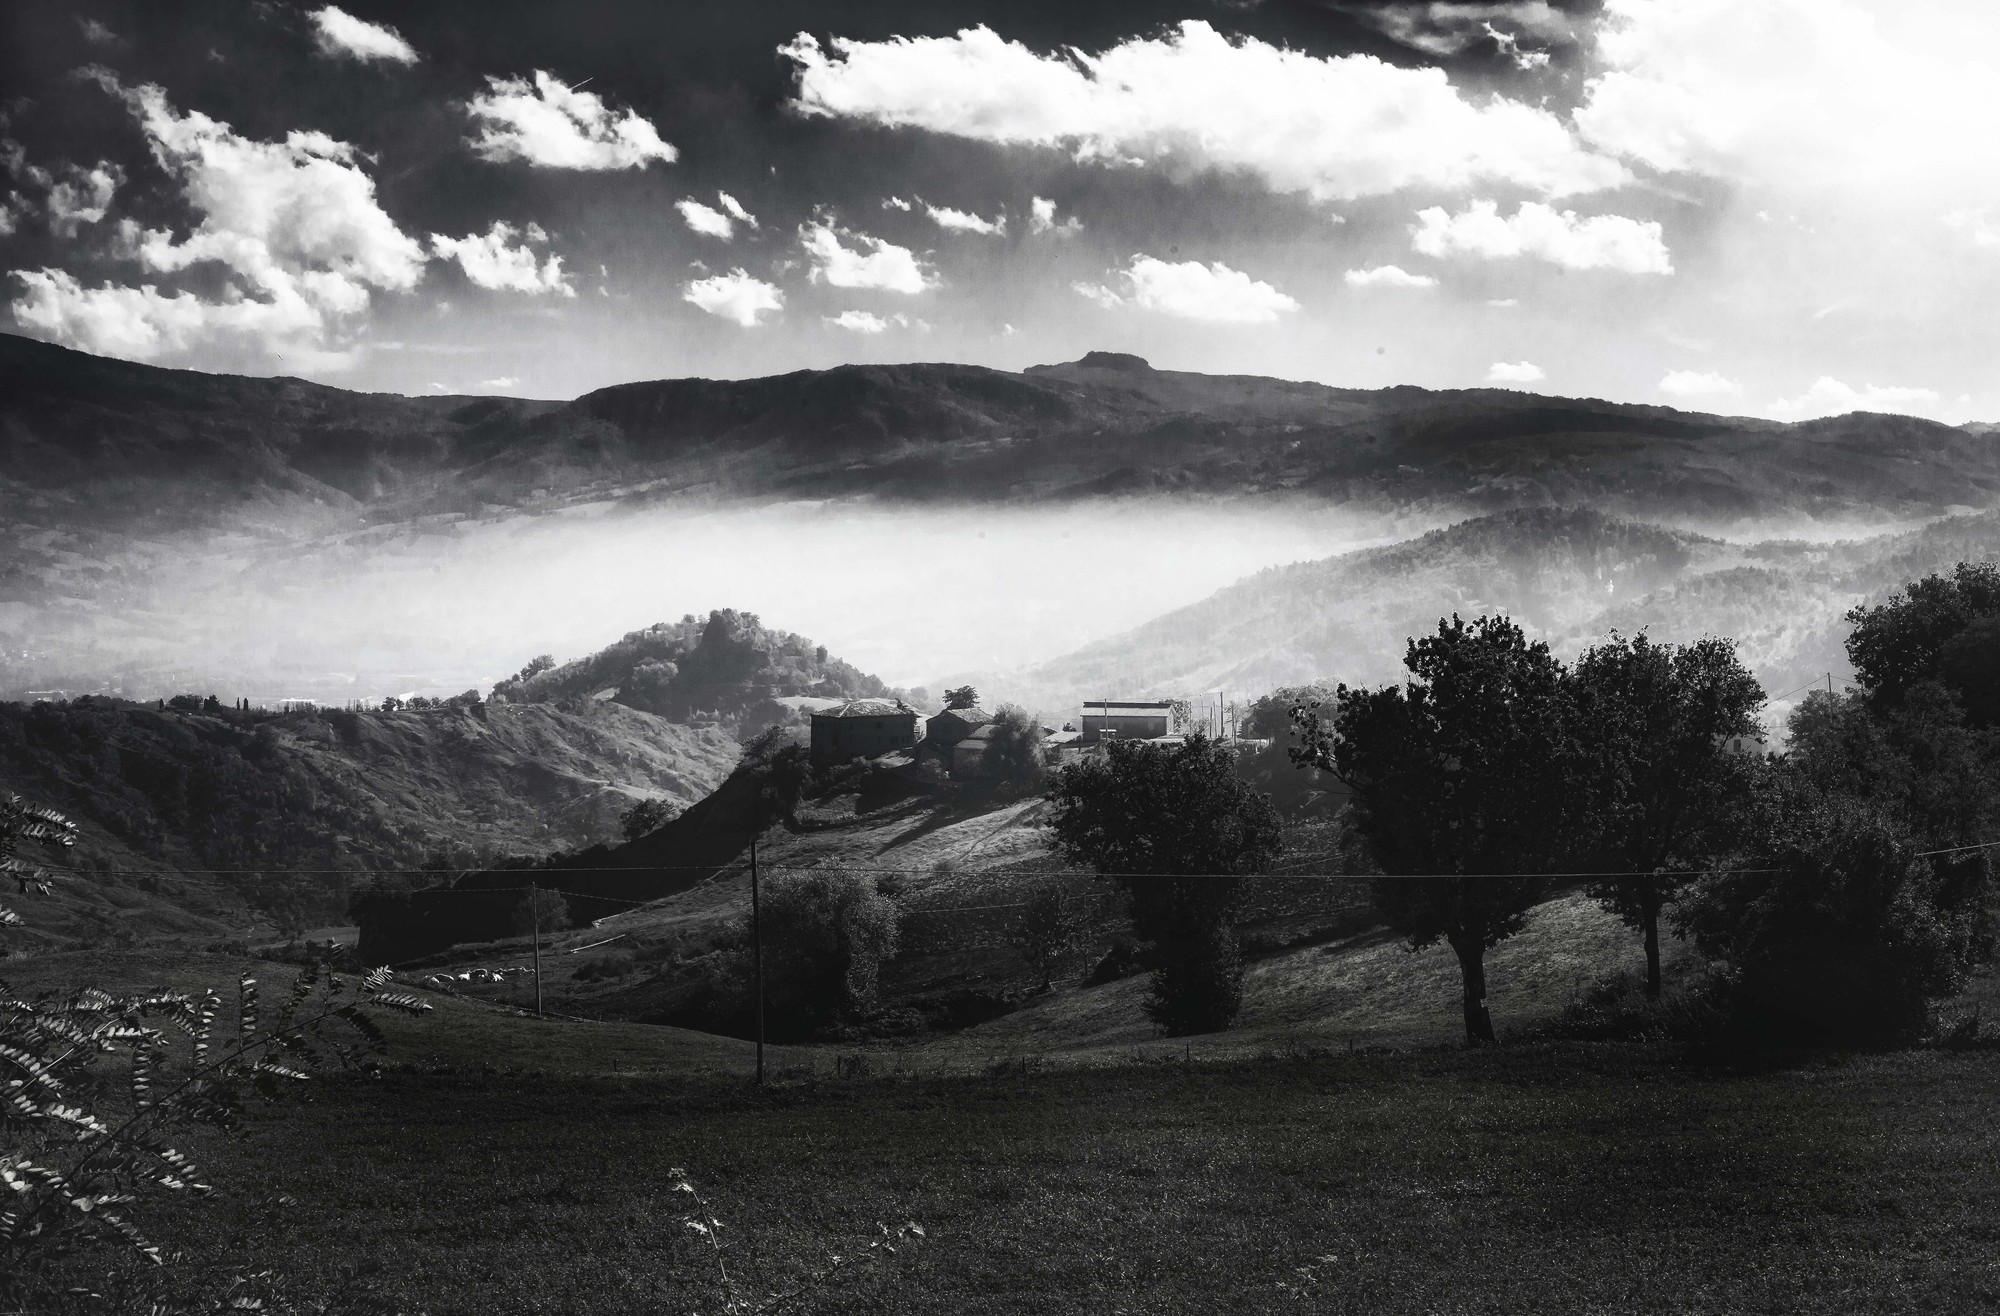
(826, 937)
(1851, 934)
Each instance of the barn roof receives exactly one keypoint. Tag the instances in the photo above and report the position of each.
(972, 717)
(868, 708)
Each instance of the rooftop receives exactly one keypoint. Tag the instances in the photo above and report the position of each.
(868, 708)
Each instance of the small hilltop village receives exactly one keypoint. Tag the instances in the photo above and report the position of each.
(952, 744)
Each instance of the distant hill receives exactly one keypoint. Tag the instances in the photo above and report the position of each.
(1569, 575)
(294, 809)
(727, 668)
(90, 441)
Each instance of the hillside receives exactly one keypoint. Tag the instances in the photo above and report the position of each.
(1569, 575)
(728, 668)
(159, 528)
(203, 822)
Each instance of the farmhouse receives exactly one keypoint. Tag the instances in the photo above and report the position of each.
(953, 725)
(1120, 719)
(862, 728)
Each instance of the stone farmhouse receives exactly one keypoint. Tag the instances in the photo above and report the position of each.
(862, 728)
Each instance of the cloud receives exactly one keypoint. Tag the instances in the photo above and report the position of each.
(293, 227)
(706, 220)
(1978, 228)
(1042, 219)
(1829, 397)
(1809, 93)
(504, 381)
(96, 33)
(555, 126)
(1193, 291)
(870, 263)
(960, 221)
(339, 33)
(1388, 276)
(83, 198)
(867, 322)
(1696, 384)
(1514, 372)
(1601, 242)
(1193, 100)
(1446, 29)
(894, 203)
(491, 261)
(736, 210)
(734, 296)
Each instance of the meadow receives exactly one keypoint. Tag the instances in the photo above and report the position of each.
(499, 1164)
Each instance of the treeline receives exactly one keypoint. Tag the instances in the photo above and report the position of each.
(727, 668)
(1839, 886)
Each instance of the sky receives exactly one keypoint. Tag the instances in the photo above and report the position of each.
(1779, 208)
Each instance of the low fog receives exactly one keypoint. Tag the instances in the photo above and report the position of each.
(911, 595)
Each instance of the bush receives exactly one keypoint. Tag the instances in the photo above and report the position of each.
(1851, 935)
(826, 937)
(1197, 983)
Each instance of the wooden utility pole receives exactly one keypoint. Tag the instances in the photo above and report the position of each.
(535, 912)
(757, 955)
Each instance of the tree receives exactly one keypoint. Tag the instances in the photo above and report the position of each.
(1178, 830)
(1460, 781)
(826, 937)
(963, 696)
(1900, 642)
(1659, 781)
(1013, 754)
(646, 817)
(541, 909)
(1052, 930)
(1837, 928)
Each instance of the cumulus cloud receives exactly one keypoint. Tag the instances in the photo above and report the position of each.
(1698, 384)
(555, 126)
(96, 33)
(1191, 100)
(1388, 276)
(734, 296)
(339, 33)
(293, 227)
(1042, 219)
(706, 220)
(735, 210)
(1193, 291)
(1514, 372)
(1813, 93)
(894, 203)
(83, 197)
(1601, 242)
(870, 263)
(1830, 397)
(961, 221)
(491, 260)
(867, 322)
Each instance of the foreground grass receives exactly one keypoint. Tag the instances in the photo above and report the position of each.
(1549, 1177)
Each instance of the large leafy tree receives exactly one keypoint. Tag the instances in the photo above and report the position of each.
(1461, 779)
(1178, 830)
(1654, 723)
(1896, 644)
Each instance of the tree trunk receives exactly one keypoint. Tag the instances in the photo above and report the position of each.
(1652, 918)
(1472, 966)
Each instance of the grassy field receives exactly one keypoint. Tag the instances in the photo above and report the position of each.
(505, 1165)
(1535, 1179)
